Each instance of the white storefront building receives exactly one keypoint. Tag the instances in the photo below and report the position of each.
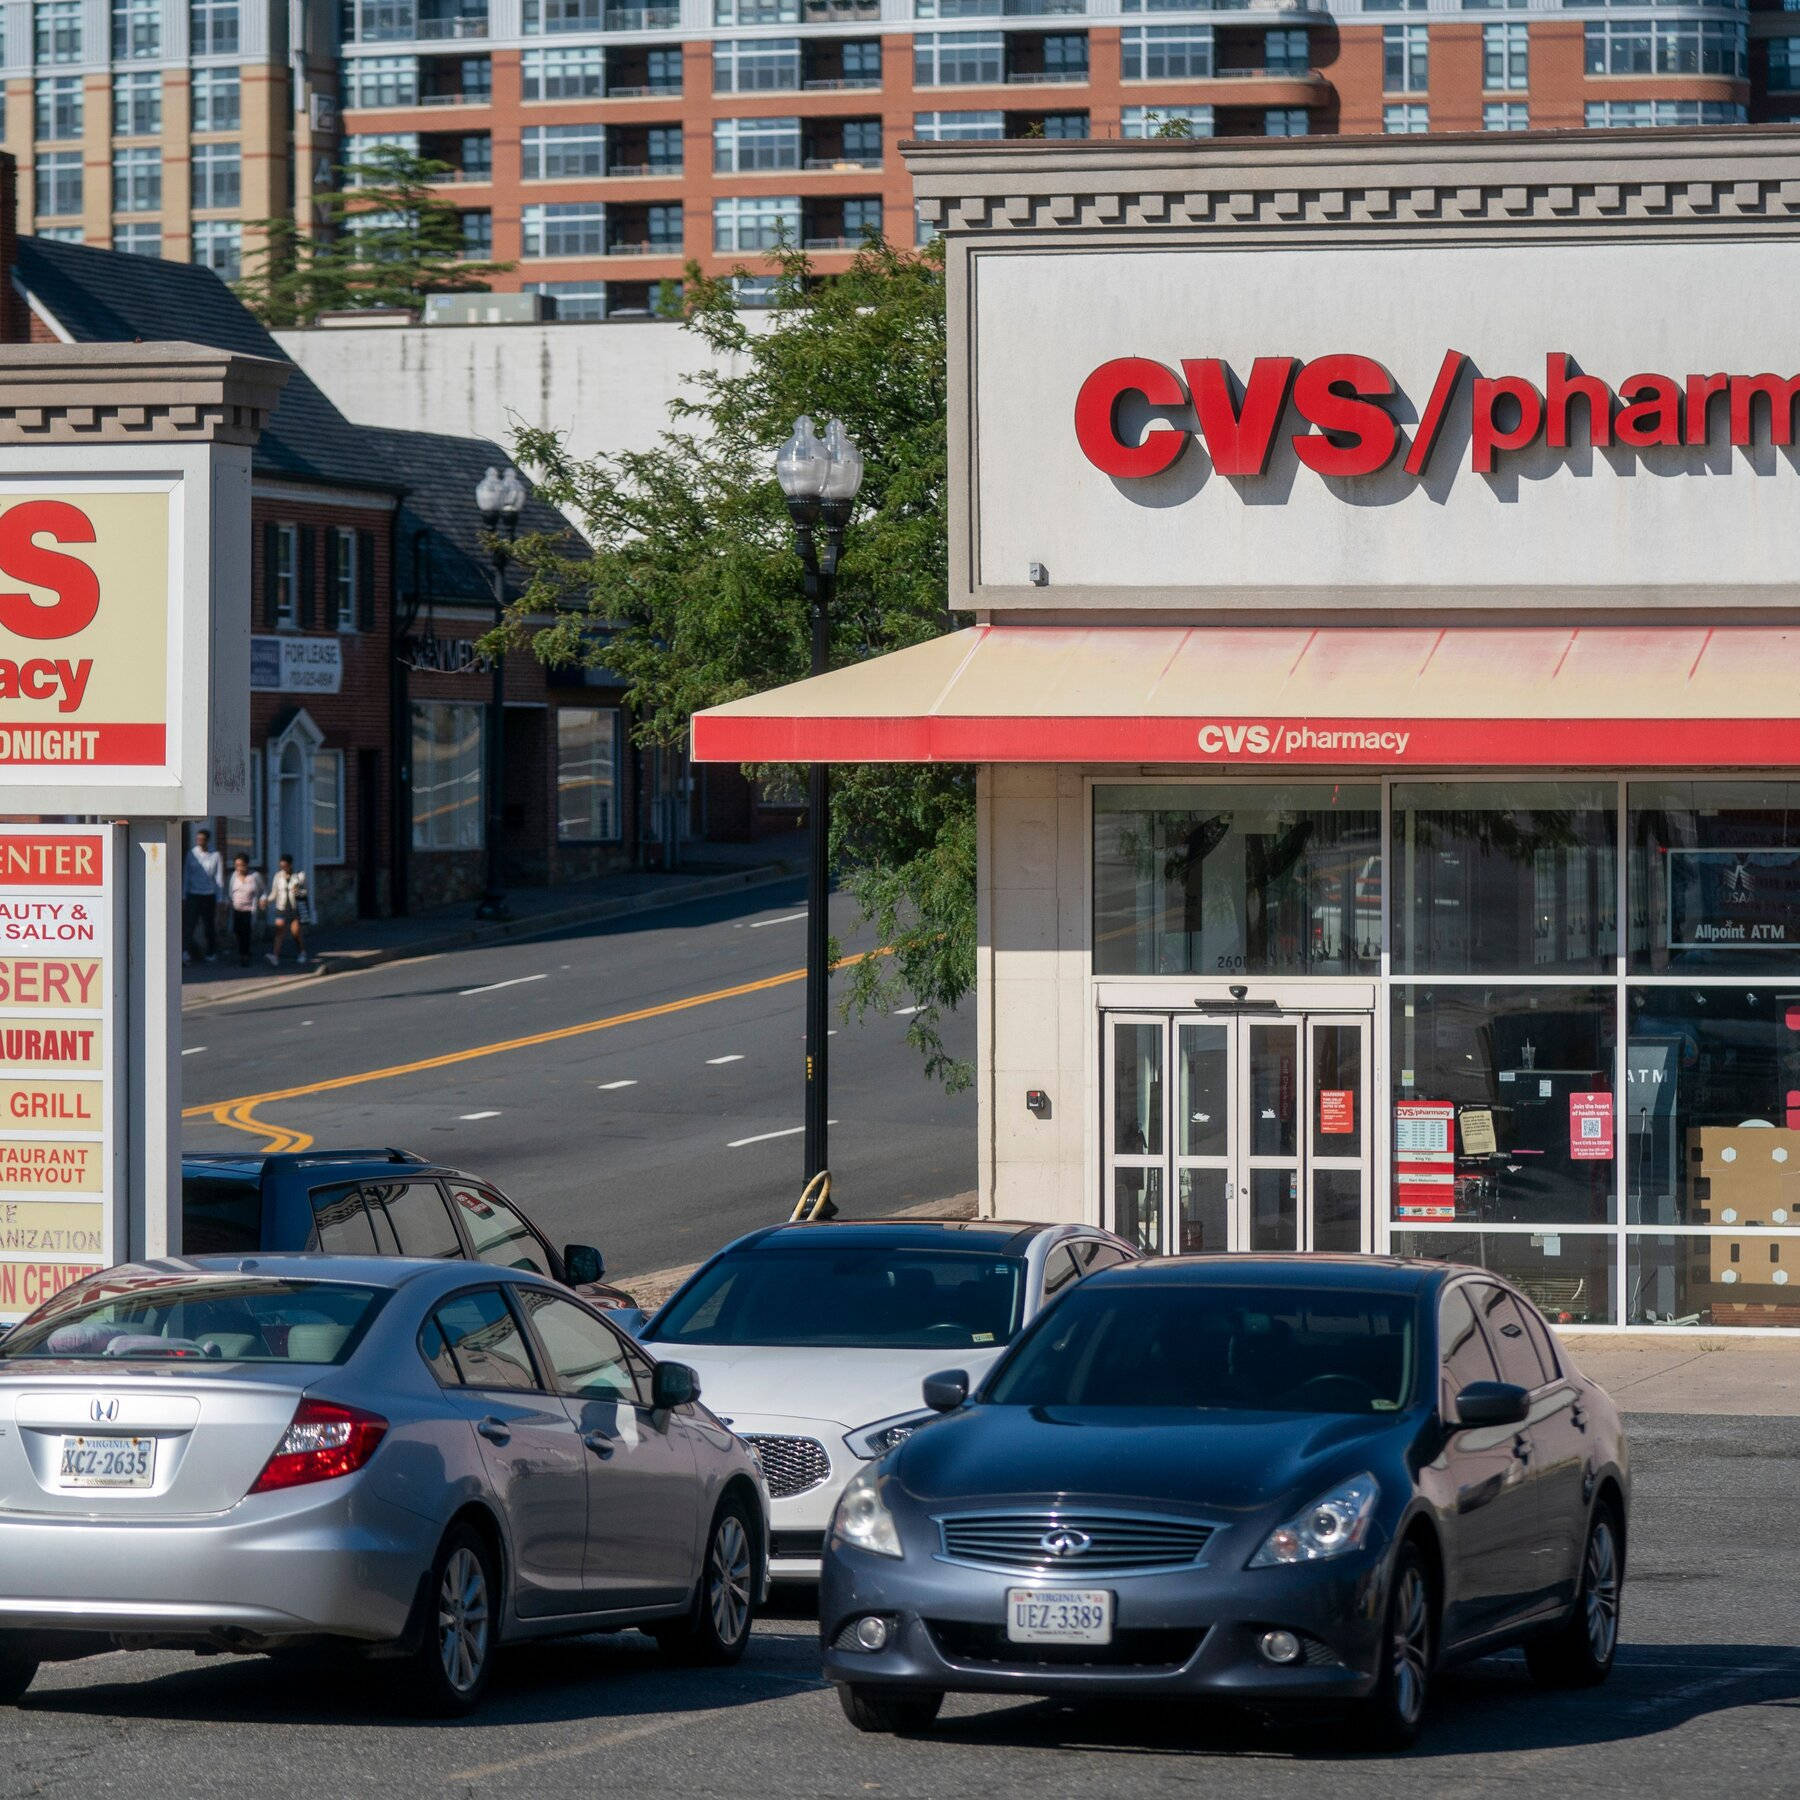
(1384, 677)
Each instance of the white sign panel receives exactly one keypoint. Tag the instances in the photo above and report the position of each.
(1470, 424)
(296, 665)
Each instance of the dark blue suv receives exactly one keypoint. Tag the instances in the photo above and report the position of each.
(371, 1203)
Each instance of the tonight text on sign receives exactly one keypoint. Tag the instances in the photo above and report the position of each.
(1346, 399)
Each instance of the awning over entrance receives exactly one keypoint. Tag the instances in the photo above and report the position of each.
(1672, 697)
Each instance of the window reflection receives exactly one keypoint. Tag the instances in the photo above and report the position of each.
(1568, 1276)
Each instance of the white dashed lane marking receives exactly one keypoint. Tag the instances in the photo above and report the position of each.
(712, 1062)
(495, 986)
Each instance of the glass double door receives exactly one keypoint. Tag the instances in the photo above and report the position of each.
(1238, 1132)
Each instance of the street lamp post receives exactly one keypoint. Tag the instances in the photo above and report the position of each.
(820, 477)
(500, 495)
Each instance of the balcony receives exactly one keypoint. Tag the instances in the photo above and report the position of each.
(437, 30)
(624, 170)
(847, 12)
(643, 247)
(1045, 77)
(642, 18)
(843, 165)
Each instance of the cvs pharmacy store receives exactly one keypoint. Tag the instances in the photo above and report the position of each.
(1384, 677)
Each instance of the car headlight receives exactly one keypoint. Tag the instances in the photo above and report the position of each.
(878, 1439)
(862, 1521)
(1336, 1522)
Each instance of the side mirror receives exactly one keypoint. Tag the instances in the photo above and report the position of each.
(673, 1384)
(1492, 1403)
(583, 1265)
(946, 1390)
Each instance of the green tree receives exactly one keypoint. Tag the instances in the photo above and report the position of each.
(694, 593)
(388, 237)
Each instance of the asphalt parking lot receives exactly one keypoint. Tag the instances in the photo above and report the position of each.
(1705, 1701)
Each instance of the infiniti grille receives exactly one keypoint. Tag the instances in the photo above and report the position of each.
(1019, 1540)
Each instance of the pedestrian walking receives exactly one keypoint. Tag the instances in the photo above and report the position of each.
(247, 891)
(202, 886)
(287, 903)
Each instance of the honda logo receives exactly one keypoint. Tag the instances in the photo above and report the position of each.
(1065, 1541)
(103, 1411)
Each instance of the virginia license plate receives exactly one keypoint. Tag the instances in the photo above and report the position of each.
(1059, 1616)
(125, 1462)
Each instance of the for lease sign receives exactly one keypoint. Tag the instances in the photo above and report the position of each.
(84, 626)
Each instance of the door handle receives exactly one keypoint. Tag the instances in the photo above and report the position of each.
(599, 1443)
(494, 1430)
(1522, 1449)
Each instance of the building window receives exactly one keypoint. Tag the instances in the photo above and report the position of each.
(327, 807)
(61, 234)
(958, 58)
(380, 81)
(359, 151)
(137, 179)
(137, 237)
(1505, 57)
(58, 182)
(56, 30)
(569, 228)
(759, 223)
(448, 742)
(137, 104)
(136, 30)
(1667, 47)
(1286, 52)
(552, 152)
(217, 100)
(587, 775)
(862, 217)
(1166, 52)
(1405, 59)
(1617, 115)
(217, 175)
(564, 74)
(57, 108)
(756, 12)
(287, 576)
(756, 65)
(924, 232)
(1506, 115)
(213, 28)
(477, 233)
(1166, 121)
(1784, 65)
(343, 577)
(965, 127)
(1405, 121)
(746, 146)
(542, 16)
(584, 300)
(219, 246)
(1381, 6)
(1286, 121)
(1065, 125)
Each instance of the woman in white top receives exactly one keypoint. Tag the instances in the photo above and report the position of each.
(287, 900)
(246, 897)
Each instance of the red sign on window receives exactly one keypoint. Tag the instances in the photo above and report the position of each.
(1591, 1127)
(1337, 1112)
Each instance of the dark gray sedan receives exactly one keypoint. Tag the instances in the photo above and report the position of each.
(1280, 1480)
(421, 1459)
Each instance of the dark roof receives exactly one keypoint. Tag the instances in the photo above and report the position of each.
(440, 474)
(107, 297)
(1350, 1274)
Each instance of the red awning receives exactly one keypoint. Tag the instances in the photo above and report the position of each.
(1632, 697)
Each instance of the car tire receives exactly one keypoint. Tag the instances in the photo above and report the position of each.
(898, 1713)
(18, 1668)
(450, 1667)
(717, 1626)
(1391, 1716)
(1579, 1653)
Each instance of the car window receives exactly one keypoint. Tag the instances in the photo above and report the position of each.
(1095, 1254)
(436, 1352)
(1541, 1337)
(1060, 1270)
(484, 1338)
(220, 1216)
(340, 1226)
(498, 1234)
(1518, 1356)
(416, 1210)
(1463, 1353)
(590, 1359)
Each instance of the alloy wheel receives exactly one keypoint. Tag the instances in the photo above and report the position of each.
(1412, 1644)
(728, 1579)
(463, 1619)
(1602, 1590)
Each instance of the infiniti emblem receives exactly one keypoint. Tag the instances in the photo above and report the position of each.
(1065, 1540)
(99, 1410)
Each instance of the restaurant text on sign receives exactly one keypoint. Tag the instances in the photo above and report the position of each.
(1351, 404)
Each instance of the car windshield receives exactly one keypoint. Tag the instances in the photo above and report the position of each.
(202, 1321)
(850, 1296)
(1217, 1348)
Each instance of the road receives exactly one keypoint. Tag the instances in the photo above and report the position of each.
(636, 1084)
(1705, 1702)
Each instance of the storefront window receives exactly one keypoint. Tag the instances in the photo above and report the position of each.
(587, 756)
(1505, 878)
(1522, 1078)
(1713, 1278)
(1567, 1275)
(328, 807)
(1227, 880)
(447, 750)
(1715, 877)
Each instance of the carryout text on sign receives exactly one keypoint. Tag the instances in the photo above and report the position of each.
(1351, 406)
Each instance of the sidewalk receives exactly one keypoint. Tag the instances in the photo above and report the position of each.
(716, 869)
(1707, 1372)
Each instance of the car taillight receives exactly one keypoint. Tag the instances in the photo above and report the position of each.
(325, 1440)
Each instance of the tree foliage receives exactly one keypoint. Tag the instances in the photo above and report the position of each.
(694, 589)
(387, 238)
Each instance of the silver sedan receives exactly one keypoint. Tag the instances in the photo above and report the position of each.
(426, 1459)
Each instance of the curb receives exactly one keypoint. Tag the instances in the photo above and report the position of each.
(709, 887)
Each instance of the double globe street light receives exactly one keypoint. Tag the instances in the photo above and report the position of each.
(500, 495)
(820, 477)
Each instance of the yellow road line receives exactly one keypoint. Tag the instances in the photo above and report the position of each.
(238, 1112)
